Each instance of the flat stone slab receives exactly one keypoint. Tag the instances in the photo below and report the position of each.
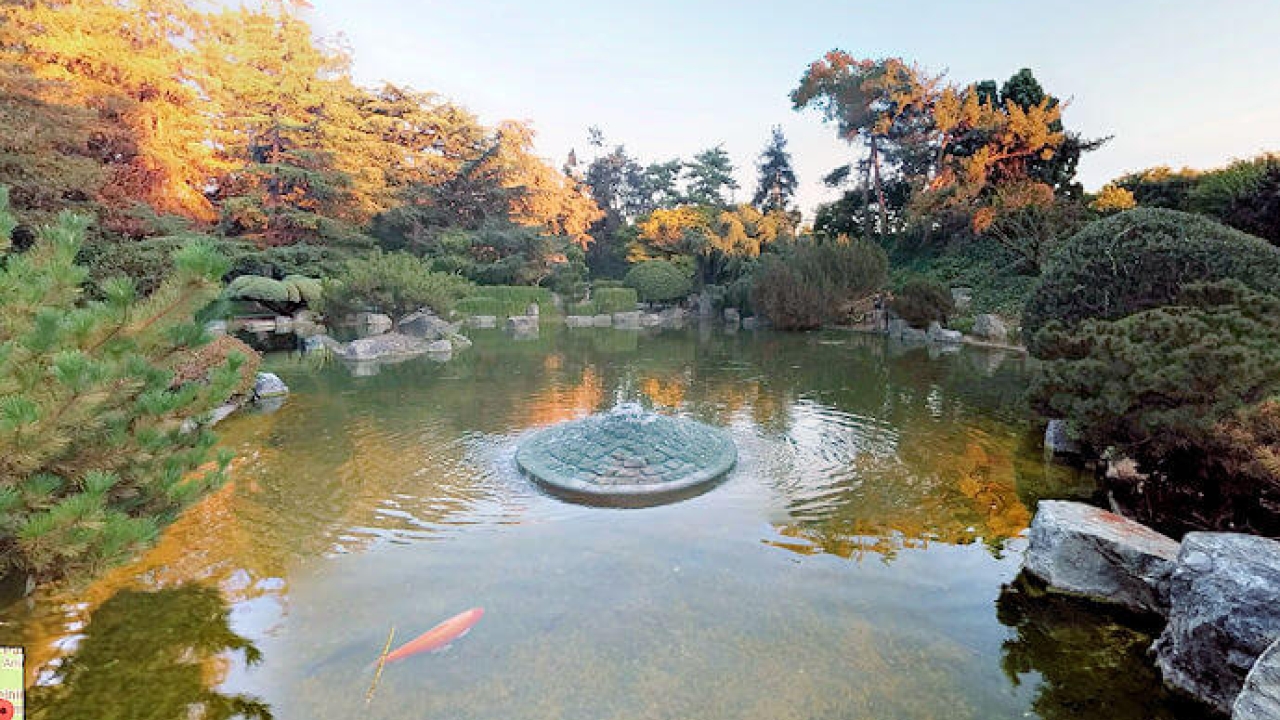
(1085, 550)
(628, 455)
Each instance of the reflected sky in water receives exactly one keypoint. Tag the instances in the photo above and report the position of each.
(853, 564)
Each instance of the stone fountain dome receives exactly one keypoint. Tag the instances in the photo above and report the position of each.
(627, 455)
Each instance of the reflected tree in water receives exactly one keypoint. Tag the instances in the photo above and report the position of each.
(151, 656)
(1092, 661)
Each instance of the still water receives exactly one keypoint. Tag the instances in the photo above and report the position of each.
(859, 561)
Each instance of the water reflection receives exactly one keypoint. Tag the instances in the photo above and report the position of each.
(394, 499)
(1090, 663)
(150, 655)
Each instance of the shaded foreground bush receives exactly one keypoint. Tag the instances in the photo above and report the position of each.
(1160, 335)
(809, 285)
(93, 459)
(1184, 390)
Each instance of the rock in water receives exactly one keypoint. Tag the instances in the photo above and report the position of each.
(523, 324)
(374, 323)
(939, 334)
(1223, 614)
(1260, 698)
(383, 346)
(991, 328)
(627, 320)
(267, 385)
(1085, 550)
(424, 324)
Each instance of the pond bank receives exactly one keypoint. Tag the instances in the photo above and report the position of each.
(1216, 593)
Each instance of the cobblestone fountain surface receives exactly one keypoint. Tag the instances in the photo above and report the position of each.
(627, 452)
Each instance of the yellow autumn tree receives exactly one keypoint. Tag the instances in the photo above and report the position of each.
(131, 62)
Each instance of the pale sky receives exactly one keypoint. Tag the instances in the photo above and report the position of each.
(1177, 83)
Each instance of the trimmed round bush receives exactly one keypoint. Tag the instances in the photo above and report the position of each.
(1143, 259)
(658, 281)
(615, 299)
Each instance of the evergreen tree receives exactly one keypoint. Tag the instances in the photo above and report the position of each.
(94, 455)
(709, 176)
(777, 185)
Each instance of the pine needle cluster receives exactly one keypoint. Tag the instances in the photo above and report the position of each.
(94, 458)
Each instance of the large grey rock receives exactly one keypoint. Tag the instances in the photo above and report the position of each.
(706, 308)
(962, 297)
(1224, 613)
(533, 310)
(373, 323)
(315, 343)
(1260, 697)
(578, 321)
(426, 325)
(483, 321)
(895, 326)
(1058, 440)
(602, 321)
(627, 320)
(651, 320)
(939, 334)
(990, 328)
(267, 385)
(376, 347)
(732, 316)
(439, 347)
(523, 324)
(457, 341)
(674, 317)
(1084, 550)
(216, 327)
(750, 323)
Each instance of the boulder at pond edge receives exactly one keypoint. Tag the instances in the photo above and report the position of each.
(1084, 550)
(1224, 612)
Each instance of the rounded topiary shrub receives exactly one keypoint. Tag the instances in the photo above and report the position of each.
(921, 302)
(1143, 259)
(659, 281)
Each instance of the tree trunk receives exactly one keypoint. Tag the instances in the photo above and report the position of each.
(875, 176)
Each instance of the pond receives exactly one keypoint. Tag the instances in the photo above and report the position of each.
(859, 561)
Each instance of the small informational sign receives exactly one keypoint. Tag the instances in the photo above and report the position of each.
(11, 688)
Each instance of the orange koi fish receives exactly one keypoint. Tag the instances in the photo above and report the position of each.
(438, 636)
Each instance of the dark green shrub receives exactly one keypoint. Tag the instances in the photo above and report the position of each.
(1143, 259)
(612, 300)
(817, 286)
(283, 297)
(659, 281)
(1166, 386)
(921, 302)
(1244, 195)
(788, 298)
(587, 307)
(393, 283)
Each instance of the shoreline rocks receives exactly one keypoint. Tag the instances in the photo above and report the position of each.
(1225, 613)
(1084, 550)
(1218, 592)
(1260, 697)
